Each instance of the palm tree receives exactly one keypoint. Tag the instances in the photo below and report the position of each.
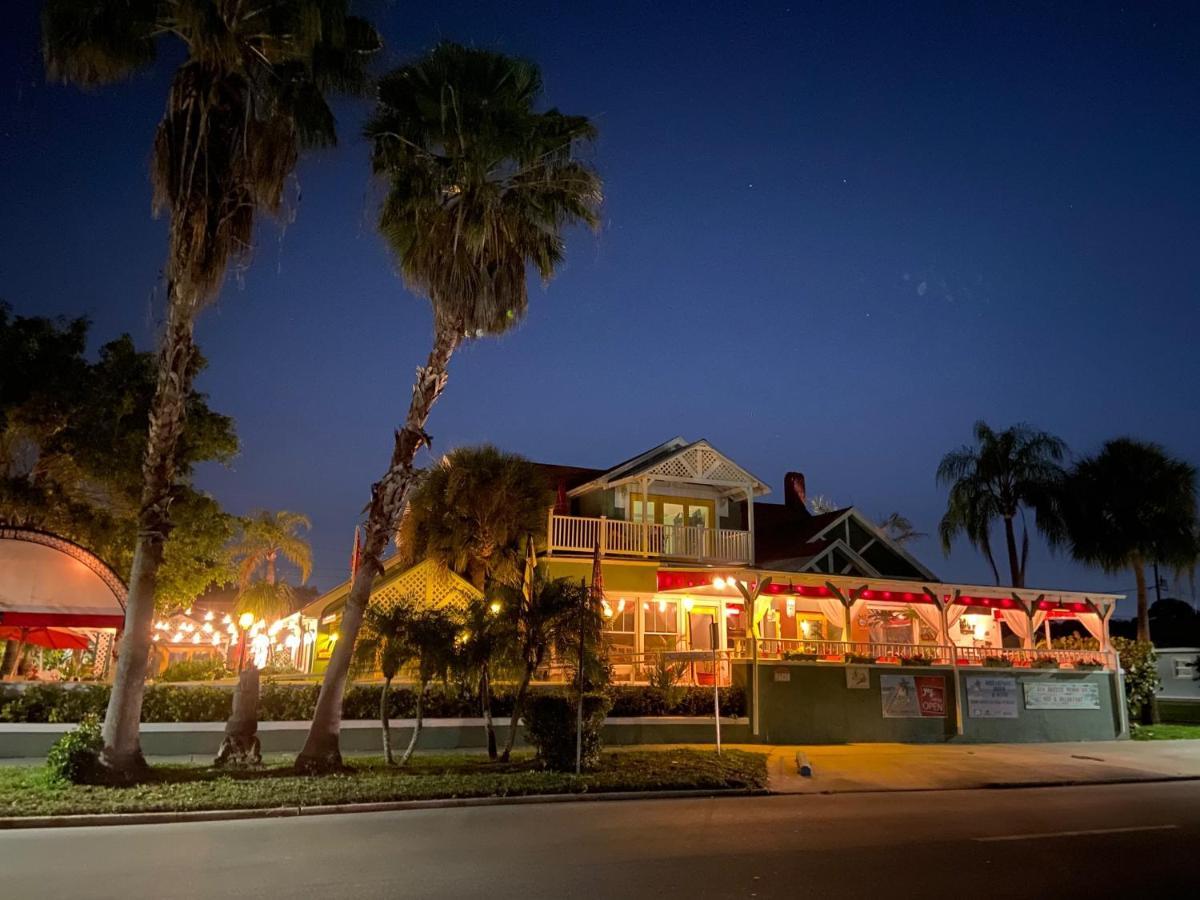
(266, 538)
(900, 528)
(480, 188)
(548, 618)
(383, 647)
(1129, 505)
(247, 97)
(473, 511)
(405, 634)
(998, 478)
(484, 650)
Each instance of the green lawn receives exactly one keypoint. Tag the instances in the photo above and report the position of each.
(28, 791)
(1166, 732)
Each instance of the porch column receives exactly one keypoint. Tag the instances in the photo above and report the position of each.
(750, 520)
(645, 516)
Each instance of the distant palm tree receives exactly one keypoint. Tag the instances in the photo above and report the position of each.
(1001, 476)
(481, 188)
(900, 528)
(247, 97)
(820, 504)
(399, 636)
(1129, 505)
(265, 539)
(474, 511)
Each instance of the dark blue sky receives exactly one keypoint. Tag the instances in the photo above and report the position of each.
(833, 237)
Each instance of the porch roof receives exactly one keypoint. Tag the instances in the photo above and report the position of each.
(700, 581)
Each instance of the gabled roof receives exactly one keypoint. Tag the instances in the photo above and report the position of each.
(428, 581)
(677, 460)
(788, 537)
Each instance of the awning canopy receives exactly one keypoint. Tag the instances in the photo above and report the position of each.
(46, 580)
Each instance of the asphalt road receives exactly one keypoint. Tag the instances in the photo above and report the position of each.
(1099, 841)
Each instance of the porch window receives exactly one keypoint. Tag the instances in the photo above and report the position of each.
(660, 624)
(620, 625)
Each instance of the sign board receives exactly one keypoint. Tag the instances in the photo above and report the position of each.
(1061, 695)
(858, 678)
(913, 696)
(991, 697)
(782, 674)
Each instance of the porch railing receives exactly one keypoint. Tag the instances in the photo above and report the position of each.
(580, 534)
(931, 654)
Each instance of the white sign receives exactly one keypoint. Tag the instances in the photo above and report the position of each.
(991, 697)
(1062, 695)
(858, 678)
(782, 674)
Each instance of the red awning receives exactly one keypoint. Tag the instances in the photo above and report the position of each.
(61, 620)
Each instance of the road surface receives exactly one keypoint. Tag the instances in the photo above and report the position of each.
(1093, 842)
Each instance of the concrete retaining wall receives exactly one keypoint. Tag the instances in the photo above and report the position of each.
(19, 740)
(812, 703)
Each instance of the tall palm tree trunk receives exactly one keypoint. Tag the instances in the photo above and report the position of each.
(1014, 565)
(1143, 605)
(412, 741)
(518, 706)
(384, 725)
(321, 751)
(485, 706)
(122, 754)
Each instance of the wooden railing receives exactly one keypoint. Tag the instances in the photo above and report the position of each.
(580, 534)
(931, 654)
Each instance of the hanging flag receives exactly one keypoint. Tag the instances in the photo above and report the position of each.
(530, 568)
(356, 553)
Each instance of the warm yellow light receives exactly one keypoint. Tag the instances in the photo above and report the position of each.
(206, 628)
(246, 619)
(292, 641)
(607, 611)
(208, 616)
(662, 605)
(333, 638)
(308, 637)
(195, 638)
(688, 603)
(719, 583)
(232, 629)
(178, 639)
(227, 619)
(495, 607)
(274, 629)
(188, 611)
(805, 626)
(216, 639)
(156, 637)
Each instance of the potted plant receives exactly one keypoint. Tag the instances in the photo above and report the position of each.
(995, 662)
(1044, 663)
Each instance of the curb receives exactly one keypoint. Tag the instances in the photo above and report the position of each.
(986, 786)
(88, 820)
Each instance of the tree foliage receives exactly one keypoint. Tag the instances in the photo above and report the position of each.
(72, 438)
(473, 512)
(995, 480)
(264, 541)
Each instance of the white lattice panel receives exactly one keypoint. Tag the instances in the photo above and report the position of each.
(700, 463)
(425, 583)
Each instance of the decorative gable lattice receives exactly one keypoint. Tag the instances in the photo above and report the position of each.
(427, 583)
(701, 463)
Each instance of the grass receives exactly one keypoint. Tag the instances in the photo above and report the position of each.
(1165, 732)
(30, 791)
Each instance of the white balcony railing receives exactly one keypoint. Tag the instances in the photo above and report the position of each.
(579, 534)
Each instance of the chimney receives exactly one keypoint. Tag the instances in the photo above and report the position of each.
(794, 495)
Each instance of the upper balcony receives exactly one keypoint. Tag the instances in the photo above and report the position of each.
(692, 543)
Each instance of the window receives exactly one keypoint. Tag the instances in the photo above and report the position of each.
(1184, 668)
(660, 624)
(619, 625)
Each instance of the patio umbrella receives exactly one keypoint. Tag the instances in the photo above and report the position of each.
(46, 636)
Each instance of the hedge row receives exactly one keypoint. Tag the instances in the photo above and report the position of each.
(295, 702)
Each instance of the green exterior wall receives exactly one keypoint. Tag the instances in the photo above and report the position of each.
(814, 706)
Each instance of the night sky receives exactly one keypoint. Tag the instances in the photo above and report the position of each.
(833, 237)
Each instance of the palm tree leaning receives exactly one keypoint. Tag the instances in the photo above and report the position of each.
(998, 478)
(1129, 505)
(246, 99)
(266, 539)
(480, 187)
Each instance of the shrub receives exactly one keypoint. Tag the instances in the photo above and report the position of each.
(1141, 673)
(198, 668)
(550, 726)
(1044, 663)
(801, 656)
(53, 703)
(190, 703)
(75, 757)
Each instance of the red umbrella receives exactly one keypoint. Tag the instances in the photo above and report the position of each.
(46, 636)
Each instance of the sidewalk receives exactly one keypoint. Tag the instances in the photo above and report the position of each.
(930, 767)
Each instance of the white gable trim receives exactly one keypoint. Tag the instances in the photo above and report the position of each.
(695, 463)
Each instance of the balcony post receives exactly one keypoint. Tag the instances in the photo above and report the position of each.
(750, 522)
(550, 532)
(603, 536)
(645, 517)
